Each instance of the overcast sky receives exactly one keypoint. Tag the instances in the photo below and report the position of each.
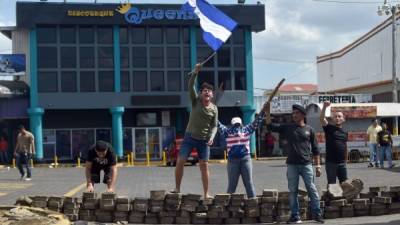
(296, 32)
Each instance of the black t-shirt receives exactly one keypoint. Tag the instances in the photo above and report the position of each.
(302, 143)
(336, 139)
(101, 163)
(384, 138)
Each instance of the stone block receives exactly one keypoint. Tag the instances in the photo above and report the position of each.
(238, 214)
(283, 199)
(249, 220)
(270, 193)
(56, 199)
(108, 195)
(157, 195)
(377, 189)
(207, 201)
(284, 194)
(167, 220)
(364, 212)
(68, 205)
(107, 204)
(283, 212)
(216, 208)
(332, 214)
(71, 211)
(362, 203)
(201, 208)
(184, 213)
(40, 198)
(267, 212)
(253, 212)
(379, 212)
(156, 209)
(141, 204)
(388, 194)
(189, 208)
(191, 202)
(134, 219)
(40, 204)
(87, 217)
(395, 205)
(123, 200)
(137, 214)
(237, 202)
(251, 202)
(266, 219)
(70, 200)
(283, 205)
(90, 205)
(172, 201)
(368, 195)
(234, 208)
(232, 221)
(173, 196)
(72, 217)
(347, 210)
(54, 204)
(394, 188)
(224, 214)
(171, 207)
(269, 199)
(341, 202)
(168, 214)
(86, 195)
(376, 206)
(212, 214)
(238, 197)
(151, 220)
(332, 208)
(384, 200)
(121, 216)
(123, 207)
(216, 221)
(183, 220)
(193, 197)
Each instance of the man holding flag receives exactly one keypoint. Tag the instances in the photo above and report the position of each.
(203, 119)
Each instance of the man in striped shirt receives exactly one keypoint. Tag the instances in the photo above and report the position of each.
(238, 146)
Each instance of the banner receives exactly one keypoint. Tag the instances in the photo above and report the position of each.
(12, 65)
(356, 111)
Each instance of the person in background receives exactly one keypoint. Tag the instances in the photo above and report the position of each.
(101, 157)
(269, 143)
(3, 150)
(372, 139)
(385, 142)
(23, 152)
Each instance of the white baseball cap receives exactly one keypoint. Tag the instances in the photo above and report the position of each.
(236, 120)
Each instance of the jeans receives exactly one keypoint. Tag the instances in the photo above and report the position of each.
(4, 157)
(293, 174)
(203, 150)
(243, 167)
(334, 170)
(23, 161)
(373, 147)
(388, 151)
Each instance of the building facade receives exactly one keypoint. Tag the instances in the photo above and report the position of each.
(119, 73)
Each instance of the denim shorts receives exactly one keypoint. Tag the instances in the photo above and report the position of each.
(203, 150)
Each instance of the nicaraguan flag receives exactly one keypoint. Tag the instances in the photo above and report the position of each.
(217, 27)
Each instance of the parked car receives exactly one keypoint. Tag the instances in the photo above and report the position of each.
(173, 152)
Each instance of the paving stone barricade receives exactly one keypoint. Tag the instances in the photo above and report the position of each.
(174, 208)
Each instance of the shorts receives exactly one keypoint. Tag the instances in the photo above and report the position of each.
(95, 175)
(203, 150)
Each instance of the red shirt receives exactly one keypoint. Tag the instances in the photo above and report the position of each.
(3, 145)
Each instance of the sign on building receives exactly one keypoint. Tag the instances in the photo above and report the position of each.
(12, 65)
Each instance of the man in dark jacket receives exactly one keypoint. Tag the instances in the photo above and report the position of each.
(302, 149)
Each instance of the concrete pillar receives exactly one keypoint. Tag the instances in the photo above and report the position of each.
(117, 130)
(35, 119)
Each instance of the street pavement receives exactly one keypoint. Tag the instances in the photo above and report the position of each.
(139, 180)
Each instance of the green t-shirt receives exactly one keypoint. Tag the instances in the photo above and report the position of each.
(203, 121)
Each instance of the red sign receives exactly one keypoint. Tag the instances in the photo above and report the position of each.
(356, 111)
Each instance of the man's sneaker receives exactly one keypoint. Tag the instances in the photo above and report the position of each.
(28, 179)
(370, 165)
(294, 220)
(319, 219)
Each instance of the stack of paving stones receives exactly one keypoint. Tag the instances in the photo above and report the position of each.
(174, 208)
(71, 208)
(55, 204)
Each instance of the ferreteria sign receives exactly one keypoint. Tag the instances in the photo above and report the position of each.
(137, 16)
(344, 98)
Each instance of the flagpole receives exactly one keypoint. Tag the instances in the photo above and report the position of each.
(204, 62)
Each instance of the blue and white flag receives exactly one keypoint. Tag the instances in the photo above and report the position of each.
(217, 27)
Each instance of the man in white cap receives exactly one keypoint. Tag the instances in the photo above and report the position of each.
(238, 146)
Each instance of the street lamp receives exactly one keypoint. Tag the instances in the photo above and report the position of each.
(389, 9)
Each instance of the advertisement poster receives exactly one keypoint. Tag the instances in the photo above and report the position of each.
(356, 111)
(12, 65)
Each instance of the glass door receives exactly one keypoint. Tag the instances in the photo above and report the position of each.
(147, 139)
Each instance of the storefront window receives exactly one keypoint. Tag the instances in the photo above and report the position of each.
(87, 81)
(104, 35)
(125, 81)
(86, 35)
(47, 57)
(106, 81)
(67, 35)
(86, 57)
(105, 57)
(68, 81)
(186, 58)
(123, 35)
(203, 53)
(63, 144)
(224, 57)
(127, 140)
(139, 57)
(238, 36)
(185, 35)
(47, 82)
(173, 57)
(157, 81)
(138, 35)
(224, 78)
(103, 135)
(156, 57)
(172, 34)
(240, 80)
(47, 35)
(124, 57)
(68, 57)
(155, 35)
(139, 79)
(174, 80)
(82, 140)
(49, 142)
(206, 76)
(239, 57)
